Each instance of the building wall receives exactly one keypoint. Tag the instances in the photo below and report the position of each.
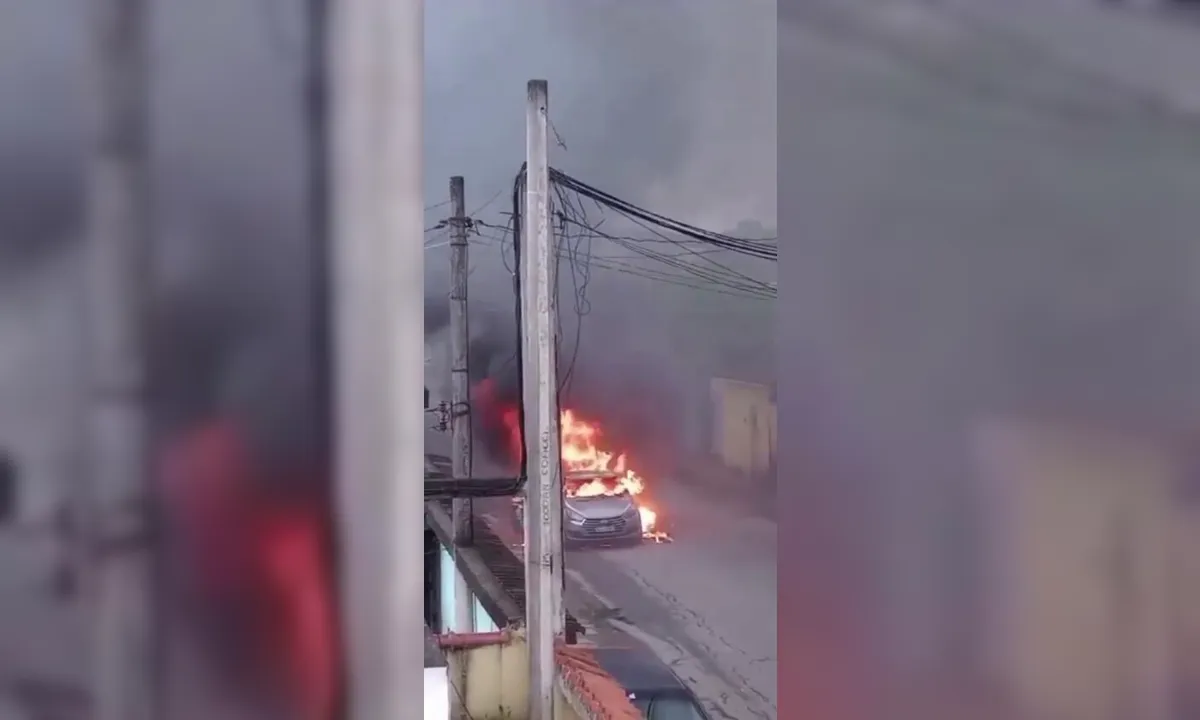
(491, 682)
(744, 424)
(483, 622)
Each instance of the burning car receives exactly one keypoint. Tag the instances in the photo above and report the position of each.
(597, 508)
(604, 500)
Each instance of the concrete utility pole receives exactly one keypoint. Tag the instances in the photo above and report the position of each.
(544, 491)
(119, 262)
(460, 396)
(377, 49)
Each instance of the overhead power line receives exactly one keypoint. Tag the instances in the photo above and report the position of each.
(764, 249)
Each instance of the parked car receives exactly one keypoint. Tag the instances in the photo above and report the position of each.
(653, 688)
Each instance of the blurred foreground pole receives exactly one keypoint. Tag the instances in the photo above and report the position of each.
(118, 270)
(543, 503)
(460, 395)
(376, 49)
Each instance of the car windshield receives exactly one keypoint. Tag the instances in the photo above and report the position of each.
(668, 708)
(585, 487)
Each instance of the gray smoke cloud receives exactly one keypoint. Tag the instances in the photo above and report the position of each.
(668, 104)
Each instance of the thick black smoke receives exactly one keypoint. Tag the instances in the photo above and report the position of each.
(631, 395)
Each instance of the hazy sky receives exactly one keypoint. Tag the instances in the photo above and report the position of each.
(671, 102)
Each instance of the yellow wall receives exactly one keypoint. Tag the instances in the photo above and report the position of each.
(493, 683)
(744, 424)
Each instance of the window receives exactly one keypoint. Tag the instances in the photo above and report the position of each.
(483, 621)
(447, 574)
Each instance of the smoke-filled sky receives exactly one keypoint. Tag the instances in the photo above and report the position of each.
(669, 104)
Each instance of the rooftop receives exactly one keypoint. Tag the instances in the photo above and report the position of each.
(602, 697)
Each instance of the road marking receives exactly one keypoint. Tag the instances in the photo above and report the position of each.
(590, 589)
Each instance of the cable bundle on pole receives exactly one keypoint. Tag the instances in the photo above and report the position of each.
(753, 248)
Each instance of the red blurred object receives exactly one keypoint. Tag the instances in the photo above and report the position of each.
(264, 557)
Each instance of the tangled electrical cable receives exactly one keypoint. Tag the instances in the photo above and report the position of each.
(518, 187)
(697, 264)
(763, 249)
(578, 250)
(574, 231)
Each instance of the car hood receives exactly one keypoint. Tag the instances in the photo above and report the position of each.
(601, 507)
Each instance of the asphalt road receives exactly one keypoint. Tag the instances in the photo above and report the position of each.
(705, 603)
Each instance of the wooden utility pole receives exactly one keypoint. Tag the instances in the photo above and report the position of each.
(118, 266)
(378, 214)
(460, 396)
(544, 491)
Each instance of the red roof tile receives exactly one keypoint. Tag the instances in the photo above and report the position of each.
(600, 694)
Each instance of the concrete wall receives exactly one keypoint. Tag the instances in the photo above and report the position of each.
(744, 424)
